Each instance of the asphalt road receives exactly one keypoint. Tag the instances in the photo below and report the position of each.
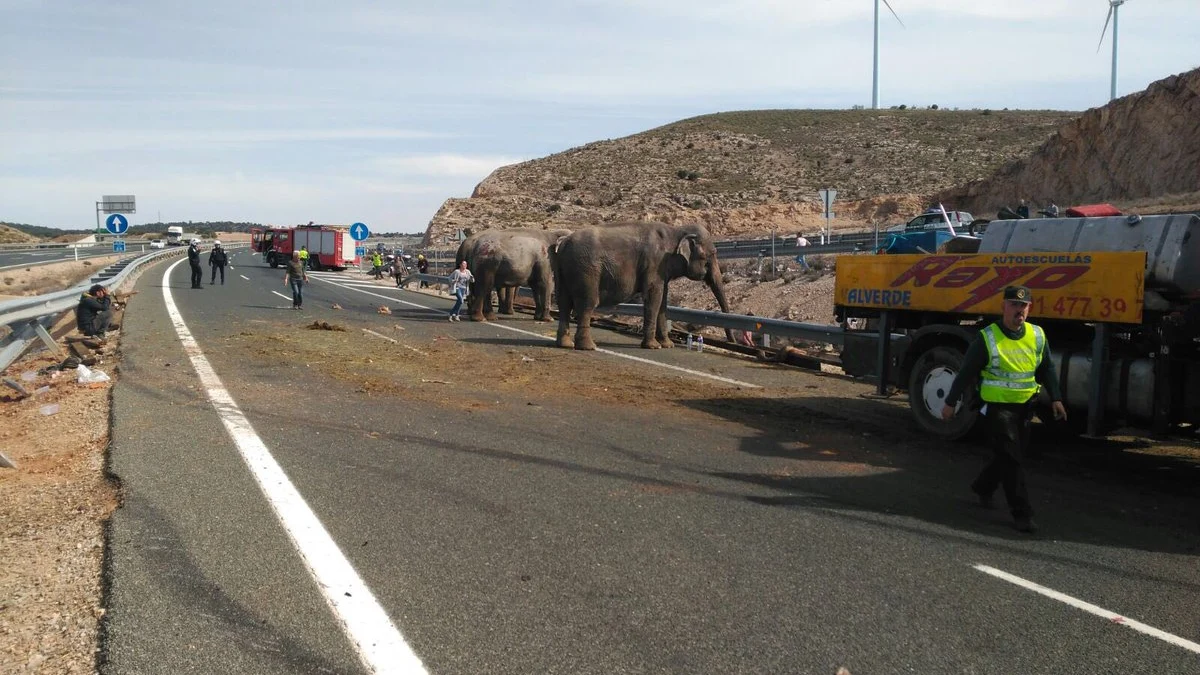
(543, 536)
(18, 259)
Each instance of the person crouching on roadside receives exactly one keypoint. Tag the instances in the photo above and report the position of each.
(93, 315)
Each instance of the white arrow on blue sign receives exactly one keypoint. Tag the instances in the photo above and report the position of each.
(359, 232)
(117, 223)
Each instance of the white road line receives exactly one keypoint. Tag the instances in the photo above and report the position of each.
(281, 295)
(244, 277)
(639, 359)
(1092, 609)
(379, 643)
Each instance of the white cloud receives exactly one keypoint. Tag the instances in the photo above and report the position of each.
(443, 164)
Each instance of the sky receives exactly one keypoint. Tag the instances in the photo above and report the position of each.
(376, 112)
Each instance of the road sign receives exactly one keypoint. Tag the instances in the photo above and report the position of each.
(117, 223)
(360, 251)
(118, 204)
(827, 197)
(118, 245)
(359, 232)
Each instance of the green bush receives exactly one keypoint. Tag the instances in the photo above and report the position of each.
(682, 173)
(567, 187)
(692, 175)
(554, 208)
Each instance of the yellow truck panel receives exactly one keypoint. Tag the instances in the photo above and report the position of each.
(1084, 286)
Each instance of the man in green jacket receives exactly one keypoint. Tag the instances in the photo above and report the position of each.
(93, 314)
(1010, 358)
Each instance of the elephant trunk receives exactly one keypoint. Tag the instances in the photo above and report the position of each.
(717, 284)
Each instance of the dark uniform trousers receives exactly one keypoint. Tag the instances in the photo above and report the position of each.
(1008, 429)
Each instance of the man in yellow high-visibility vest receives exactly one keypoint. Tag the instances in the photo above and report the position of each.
(304, 257)
(1010, 358)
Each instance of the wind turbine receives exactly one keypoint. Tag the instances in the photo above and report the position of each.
(875, 75)
(1114, 7)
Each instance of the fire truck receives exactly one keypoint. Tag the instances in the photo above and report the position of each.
(1118, 297)
(329, 248)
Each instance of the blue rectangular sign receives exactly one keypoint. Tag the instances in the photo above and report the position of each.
(118, 246)
(360, 251)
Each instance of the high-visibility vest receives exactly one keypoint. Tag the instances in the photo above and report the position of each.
(1009, 376)
(303, 254)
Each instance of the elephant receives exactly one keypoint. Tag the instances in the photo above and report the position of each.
(503, 260)
(610, 264)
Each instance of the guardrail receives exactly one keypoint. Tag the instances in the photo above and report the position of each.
(21, 314)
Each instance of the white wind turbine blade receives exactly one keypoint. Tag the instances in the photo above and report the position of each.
(889, 6)
(1105, 30)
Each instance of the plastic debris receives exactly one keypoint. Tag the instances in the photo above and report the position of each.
(86, 375)
(28, 376)
(50, 409)
(44, 389)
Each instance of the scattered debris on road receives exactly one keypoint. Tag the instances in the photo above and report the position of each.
(325, 325)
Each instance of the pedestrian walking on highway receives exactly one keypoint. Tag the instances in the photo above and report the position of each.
(217, 259)
(1010, 358)
(296, 277)
(460, 283)
(194, 261)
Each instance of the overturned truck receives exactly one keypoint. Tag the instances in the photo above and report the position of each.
(1119, 298)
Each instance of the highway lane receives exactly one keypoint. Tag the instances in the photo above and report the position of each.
(552, 530)
(20, 259)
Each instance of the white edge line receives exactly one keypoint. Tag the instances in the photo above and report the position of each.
(377, 640)
(244, 277)
(381, 335)
(639, 359)
(1112, 617)
(281, 295)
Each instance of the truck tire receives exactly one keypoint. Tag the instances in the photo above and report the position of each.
(314, 263)
(928, 384)
(272, 260)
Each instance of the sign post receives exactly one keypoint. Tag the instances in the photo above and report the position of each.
(827, 197)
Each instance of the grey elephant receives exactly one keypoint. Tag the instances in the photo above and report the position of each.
(503, 260)
(607, 265)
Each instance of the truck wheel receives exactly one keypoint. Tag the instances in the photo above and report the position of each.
(314, 263)
(928, 384)
(273, 261)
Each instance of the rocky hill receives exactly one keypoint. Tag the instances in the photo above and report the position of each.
(1141, 152)
(10, 235)
(743, 172)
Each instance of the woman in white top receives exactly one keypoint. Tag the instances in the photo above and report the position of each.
(460, 282)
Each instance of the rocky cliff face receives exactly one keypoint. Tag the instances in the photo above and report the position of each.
(1138, 148)
(749, 172)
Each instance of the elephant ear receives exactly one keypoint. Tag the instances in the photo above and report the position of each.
(687, 247)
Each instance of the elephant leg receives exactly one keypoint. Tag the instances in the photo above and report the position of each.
(565, 305)
(583, 326)
(541, 298)
(483, 296)
(661, 331)
(651, 299)
(507, 294)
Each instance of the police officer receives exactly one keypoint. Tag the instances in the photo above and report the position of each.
(1010, 358)
(194, 261)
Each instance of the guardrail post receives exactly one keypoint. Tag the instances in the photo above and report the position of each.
(885, 343)
(46, 338)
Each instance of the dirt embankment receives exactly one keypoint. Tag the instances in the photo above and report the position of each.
(1140, 151)
(39, 279)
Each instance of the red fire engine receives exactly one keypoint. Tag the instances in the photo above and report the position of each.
(328, 247)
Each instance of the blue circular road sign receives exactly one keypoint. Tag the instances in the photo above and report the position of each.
(359, 232)
(117, 223)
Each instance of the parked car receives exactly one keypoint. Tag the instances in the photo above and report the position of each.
(158, 243)
(932, 220)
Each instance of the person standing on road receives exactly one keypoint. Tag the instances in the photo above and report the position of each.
(296, 277)
(216, 260)
(376, 265)
(304, 257)
(460, 283)
(1010, 358)
(194, 261)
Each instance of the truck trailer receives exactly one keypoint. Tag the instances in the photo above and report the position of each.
(328, 247)
(1118, 297)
